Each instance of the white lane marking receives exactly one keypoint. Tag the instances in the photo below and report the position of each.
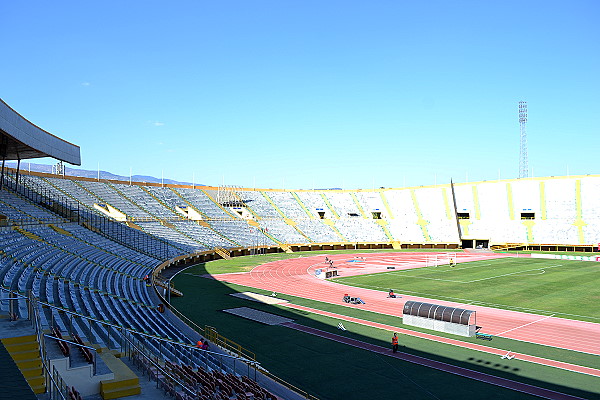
(522, 326)
(512, 273)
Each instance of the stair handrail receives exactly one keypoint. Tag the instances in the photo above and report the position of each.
(76, 344)
(141, 350)
(36, 302)
(54, 382)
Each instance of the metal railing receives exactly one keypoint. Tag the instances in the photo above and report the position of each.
(208, 332)
(94, 361)
(74, 211)
(132, 343)
(55, 386)
(35, 304)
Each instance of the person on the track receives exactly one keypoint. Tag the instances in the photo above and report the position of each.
(395, 342)
(392, 294)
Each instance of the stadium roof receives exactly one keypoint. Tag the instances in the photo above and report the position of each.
(20, 139)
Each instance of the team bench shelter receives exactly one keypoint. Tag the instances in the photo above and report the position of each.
(453, 320)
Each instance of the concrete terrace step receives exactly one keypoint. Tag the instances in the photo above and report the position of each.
(25, 355)
(24, 350)
(125, 382)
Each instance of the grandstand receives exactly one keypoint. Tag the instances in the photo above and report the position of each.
(498, 212)
(91, 260)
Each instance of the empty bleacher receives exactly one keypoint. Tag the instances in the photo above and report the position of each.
(288, 204)
(563, 209)
(360, 230)
(259, 204)
(108, 195)
(244, 234)
(78, 265)
(86, 277)
(200, 201)
(144, 200)
(282, 231)
(317, 231)
(315, 204)
(173, 236)
(16, 208)
(343, 204)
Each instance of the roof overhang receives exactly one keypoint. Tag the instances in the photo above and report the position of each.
(20, 139)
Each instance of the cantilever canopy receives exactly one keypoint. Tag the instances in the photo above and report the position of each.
(435, 311)
(20, 139)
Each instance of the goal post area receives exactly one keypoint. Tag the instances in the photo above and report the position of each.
(439, 259)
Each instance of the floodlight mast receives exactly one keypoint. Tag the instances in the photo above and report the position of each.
(523, 164)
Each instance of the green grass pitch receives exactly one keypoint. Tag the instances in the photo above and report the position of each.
(563, 288)
(332, 370)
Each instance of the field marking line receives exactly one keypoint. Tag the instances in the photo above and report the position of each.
(539, 273)
(460, 269)
(439, 365)
(512, 273)
(449, 341)
(433, 279)
(433, 297)
(465, 282)
(401, 273)
(522, 326)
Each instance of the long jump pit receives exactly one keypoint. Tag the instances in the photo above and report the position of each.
(260, 298)
(258, 316)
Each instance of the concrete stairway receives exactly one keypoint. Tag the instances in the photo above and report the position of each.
(25, 351)
(125, 383)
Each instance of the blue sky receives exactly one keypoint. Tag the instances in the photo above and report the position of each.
(302, 94)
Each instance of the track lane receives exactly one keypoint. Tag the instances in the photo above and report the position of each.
(296, 277)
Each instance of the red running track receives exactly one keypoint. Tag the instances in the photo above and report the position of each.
(454, 342)
(296, 277)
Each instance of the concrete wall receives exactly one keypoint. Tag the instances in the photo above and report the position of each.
(82, 378)
(441, 326)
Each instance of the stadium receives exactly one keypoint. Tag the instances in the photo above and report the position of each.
(114, 288)
(336, 200)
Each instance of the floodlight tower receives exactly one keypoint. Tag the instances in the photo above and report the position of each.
(523, 165)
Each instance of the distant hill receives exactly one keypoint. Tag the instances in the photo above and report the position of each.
(84, 173)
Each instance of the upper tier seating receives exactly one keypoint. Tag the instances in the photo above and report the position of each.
(71, 188)
(244, 234)
(108, 195)
(412, 215)
(169, 198)
(282, 231)
(315, 204)
(317, 231)
(360, 230)
(144, 200)
(343, 204)
(437, 210)
(202, 234)
(372, 202)
(201, 202)
(174, 236)
(16, 208)
(259, 204)
(288, 204)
